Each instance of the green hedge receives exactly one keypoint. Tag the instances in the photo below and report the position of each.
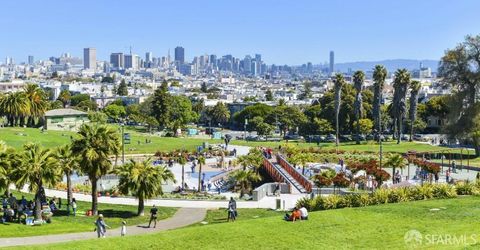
(384, 196)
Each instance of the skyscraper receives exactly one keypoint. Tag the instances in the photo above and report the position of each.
(31, 61)
(247, 64)
(117, 60)
(89, 58)
(332, 62)
(132, 61)
(258, 59)
(148, 57)
(180, 54)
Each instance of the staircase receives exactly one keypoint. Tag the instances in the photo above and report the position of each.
(288, 178)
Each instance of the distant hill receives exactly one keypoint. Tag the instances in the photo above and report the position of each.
(391, 65)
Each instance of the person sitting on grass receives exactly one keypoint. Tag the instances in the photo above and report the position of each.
(303, 213)
(296, 215)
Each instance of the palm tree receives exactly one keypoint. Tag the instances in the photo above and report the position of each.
(182, 161)
(414, 89)
(358, 79)
(7, 159)
(143, 180)
(244, 179)
(301, 159)
(400, 85)
(68, 164)
(201, 161)
(339, 82)
(94, 146)
(396, 161)
(38, 103)
(65, 97)
(379, 75)
(36, 167)
(14, 106)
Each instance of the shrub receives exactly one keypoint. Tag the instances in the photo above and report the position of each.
(365, 200)
(305, 202)
(399, 195)
(466, 188)
(425, 192)
(333, 201)
(351, 200)
(443, 191)
(380, 196)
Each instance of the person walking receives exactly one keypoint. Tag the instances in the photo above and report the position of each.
(123, 232)
(74, 206)
(232, 210)
(101, 226)
(153, 216)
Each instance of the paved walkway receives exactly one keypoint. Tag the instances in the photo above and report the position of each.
(183, 217)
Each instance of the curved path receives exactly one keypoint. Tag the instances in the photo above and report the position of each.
(183, 217)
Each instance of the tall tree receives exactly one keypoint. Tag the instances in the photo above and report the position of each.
(122, 88)
(64, 97)
(38, 102)
(400, 85)
(460, 70)
(94, 146)
(8, 158)
(68, 164)
(268, 95)
(339, 81)
(15, 106)
(414, 89)
(38, 168)
(162, 105)
(201, 162)
(182, 161)
(379, 75)
(219, 113)
(396, 161)
(358, 78)
(143, 180)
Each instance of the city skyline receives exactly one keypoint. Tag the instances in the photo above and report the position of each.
(355, 31)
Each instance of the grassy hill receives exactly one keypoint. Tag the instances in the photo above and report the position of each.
(375, 227)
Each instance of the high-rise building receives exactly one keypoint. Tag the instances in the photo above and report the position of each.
(180, 54)
(258, 59)
(117, 60)
(132, 61)
(89, 58)
(332, 62)
(148, 57)
(31, 60)
(247, 64)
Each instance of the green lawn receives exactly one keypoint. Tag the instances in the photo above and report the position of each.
(374, 227)
(61, 223)
(16, 137)
(369, 146)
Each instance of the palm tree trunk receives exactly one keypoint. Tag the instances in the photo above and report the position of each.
(94, 196)
(38, 205)
(199, 177)
(69, 192)
(399, 130)
(141, 206)
(358, 129)
(183, 176)
(411, 130)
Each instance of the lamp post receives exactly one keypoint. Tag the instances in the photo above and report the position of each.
(245, 129)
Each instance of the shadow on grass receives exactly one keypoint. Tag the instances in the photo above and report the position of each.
(117, 214)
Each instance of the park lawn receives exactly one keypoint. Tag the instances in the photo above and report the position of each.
(17, 137)
(373, 227)
(61, 223)
(217, 216)
(370, 146)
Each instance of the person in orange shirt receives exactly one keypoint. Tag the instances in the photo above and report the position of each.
(296, 215)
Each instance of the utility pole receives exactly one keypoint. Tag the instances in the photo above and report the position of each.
(123, 143)
(380, 134)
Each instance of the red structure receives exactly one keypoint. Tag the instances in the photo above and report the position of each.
(306, 183)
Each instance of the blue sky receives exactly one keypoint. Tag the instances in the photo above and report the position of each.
(284, 32)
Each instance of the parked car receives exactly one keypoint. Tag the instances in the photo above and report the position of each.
(240, 137)
(345, 138)
(293, 137)
(418, 137)
(370, 137)
(252, 138)
(331, 138)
